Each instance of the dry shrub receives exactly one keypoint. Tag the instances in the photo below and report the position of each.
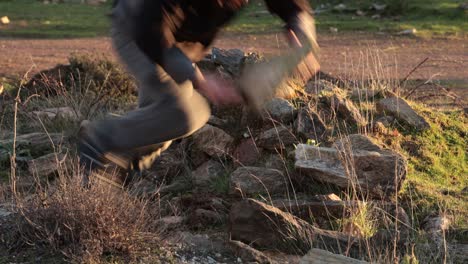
(91, 74)
(86, 224)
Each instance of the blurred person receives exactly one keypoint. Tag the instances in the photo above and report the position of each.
(159, 42)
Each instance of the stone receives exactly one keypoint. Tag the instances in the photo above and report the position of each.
(247, 153)
(280, 110)
(379, 174)
(356, 142)
(58, 112)
(275, 161)
(231, 60)
(309, 125)
(408, 32)
(247, 253)
(216, 121)
(267, 227)
(203, 218)
(378, 7)
(317, 86)
(320, 256)
(169, 223)
(255, 180)
(346, 109)
(206, 64)
(46, 165)
(436, 224)
(4, 20)
(212, 141)
(276, 138)
(34, 141)
(204, 175)
(401, 110)
(312, 209)
(168, 165)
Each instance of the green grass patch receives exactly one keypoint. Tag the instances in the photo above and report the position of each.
(432, 18)
(33, 19)
(438, 171)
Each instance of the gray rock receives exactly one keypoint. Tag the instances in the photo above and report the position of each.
(275, 161)
(309, 125)
(346, 109)
(58, 112)
(202, 218)
(436, 224)
(168, 165)
(212, 141)
(356, 142)
(204, 175)
(313, 209)
(267, 227)
(47, 165)
(280, 110)
(169, 223)
(276, 138)
(408, 32)
(231, 60)
(372, 172)
(247, 253)
(316, 86)
(254, 180)
(400, 109)
(247, 153)
(35, 141)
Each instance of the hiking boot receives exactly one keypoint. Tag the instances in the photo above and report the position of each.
(99, 166)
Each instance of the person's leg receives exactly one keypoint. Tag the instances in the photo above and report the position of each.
(166, 111)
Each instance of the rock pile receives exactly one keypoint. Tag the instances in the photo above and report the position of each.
(262, 178)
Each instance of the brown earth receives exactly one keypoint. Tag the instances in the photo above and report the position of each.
(361, 55)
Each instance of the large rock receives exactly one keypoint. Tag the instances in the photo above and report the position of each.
(377, 173)
(204, 175)
(309, 125)
(400, 109)
(267, 227)
(254, 180)
(346, 109)
(280, 110)
(231, 60)
(47, 165)
(276, 138)
(212, 141)
(34, 141)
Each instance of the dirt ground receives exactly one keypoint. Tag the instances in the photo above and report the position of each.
(344, 54)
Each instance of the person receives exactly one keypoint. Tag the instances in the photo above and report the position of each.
(159, 41)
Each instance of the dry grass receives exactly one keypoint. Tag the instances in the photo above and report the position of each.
(85, 224)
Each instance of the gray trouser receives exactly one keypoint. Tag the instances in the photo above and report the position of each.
(166, 110)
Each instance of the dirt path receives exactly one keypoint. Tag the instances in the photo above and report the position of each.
(367, 55)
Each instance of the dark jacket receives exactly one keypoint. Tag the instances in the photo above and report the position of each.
(175, 33)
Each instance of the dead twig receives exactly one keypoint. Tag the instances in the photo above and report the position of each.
(413, 70)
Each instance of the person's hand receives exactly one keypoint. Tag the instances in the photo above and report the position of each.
(217, 90)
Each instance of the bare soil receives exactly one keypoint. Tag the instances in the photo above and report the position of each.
(360, 55)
